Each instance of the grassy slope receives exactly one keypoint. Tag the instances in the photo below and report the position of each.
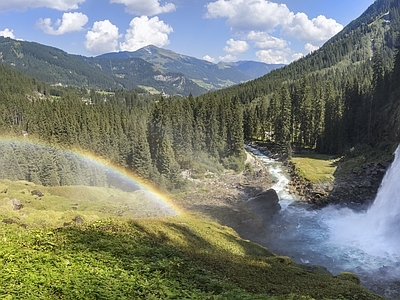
(325, 168)
(315, 167)
(110, 257)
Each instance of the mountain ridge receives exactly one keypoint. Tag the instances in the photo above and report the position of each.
(149, 68)
(203, 72)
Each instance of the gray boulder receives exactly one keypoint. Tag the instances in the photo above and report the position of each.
(264, 204)
(17, 205)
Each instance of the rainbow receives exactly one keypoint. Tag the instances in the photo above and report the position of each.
(161, 198)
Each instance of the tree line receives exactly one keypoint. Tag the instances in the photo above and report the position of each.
(155, 137)
(305, 114)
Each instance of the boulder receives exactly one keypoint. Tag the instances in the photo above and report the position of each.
(264, 204)
(37, 193)
(78, 220)
(17, 205)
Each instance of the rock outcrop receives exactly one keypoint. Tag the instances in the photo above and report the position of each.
(264, 204)
(360, 186)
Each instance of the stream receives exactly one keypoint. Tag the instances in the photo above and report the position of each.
(363, 241)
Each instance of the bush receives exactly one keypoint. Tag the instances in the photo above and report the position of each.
(349, 277)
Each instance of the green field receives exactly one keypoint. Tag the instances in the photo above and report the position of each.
(46, 254)
(315, 167)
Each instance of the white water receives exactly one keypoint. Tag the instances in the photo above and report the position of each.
(278, 175)
(341, 239)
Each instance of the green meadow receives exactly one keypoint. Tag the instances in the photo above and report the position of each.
(111, 253)
(315, 167)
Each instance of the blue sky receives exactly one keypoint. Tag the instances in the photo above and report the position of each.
(277, 31)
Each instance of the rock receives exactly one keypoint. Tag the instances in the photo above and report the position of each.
(78, 220)
(17, 205)
(264, 204)
(37, 193)
(8, 221)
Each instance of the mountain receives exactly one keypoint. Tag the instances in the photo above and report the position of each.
(254, 69)
(206, 74)
(149, 68)
(55, 66)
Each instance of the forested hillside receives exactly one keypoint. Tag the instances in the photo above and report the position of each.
(54, 66)
(154, 137)
(336, 97)
(343, 95)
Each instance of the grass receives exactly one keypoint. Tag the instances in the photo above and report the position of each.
(60, 204)
(118, 257)
(315, 167)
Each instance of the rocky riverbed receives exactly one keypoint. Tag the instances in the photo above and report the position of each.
(222, 198)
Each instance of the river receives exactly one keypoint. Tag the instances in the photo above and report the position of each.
(365, 242)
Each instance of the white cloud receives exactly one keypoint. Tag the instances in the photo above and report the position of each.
(209, 58)
(263, 40)
(310, 47)
(22, 5)
(262, 16)
(70, 22)
(274, 56)
(236, 47)
(297, 56)
(145, 7)
(102, 38)
(7, 33)
(228, 58)
(318, 29)
(248, 14)
(144, 31)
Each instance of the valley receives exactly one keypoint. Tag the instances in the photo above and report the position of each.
(150, 174)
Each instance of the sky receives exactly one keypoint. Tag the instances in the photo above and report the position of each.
(274, 32)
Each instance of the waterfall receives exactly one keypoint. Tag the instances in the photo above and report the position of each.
(376, 231)
(384, 214)
(342, 239)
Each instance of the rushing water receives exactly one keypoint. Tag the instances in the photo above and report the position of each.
(366, 242)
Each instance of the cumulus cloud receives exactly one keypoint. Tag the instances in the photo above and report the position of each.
(7, 33)
(310, 47)
(236, 47)
(209, 58)
(228, 58)
(248, 14)
(263, 40)
(22, 5)
(257, 20)
(271, 56)
(102, 38)
(145, 7)
(70, 22)
(296, 56)
(144, 31)
(318, 29)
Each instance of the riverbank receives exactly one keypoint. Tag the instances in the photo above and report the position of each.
(221, 198)
(357, 185)
(297, 231)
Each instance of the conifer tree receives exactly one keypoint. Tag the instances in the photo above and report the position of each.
(283, 121)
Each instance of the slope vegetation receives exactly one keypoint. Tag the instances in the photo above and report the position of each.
(178, 257)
